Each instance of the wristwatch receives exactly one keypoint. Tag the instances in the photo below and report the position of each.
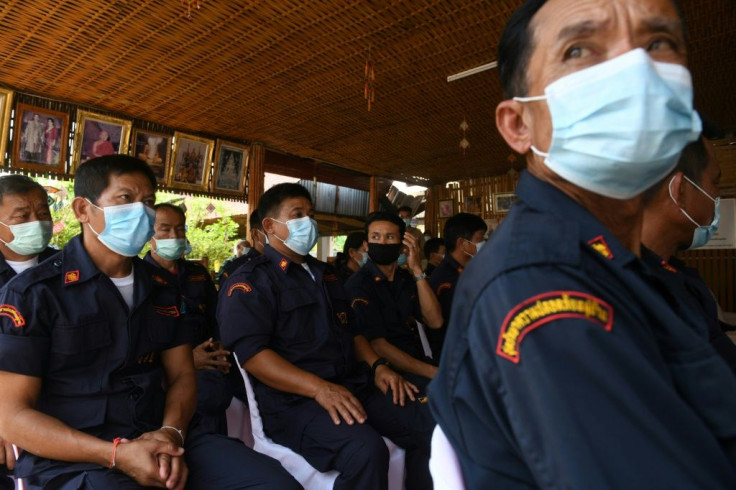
(381, 361)
(421, 276)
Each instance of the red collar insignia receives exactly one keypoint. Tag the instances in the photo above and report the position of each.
(283, 263)
(599, 245)
(71, 276)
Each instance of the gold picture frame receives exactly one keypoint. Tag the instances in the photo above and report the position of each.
(191, 160)
(97, 135)
(6, 108)
(231, 167)
(502, 202)
(154, 149)
(40, 138)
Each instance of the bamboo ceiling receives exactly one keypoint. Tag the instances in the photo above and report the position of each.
(290, 73)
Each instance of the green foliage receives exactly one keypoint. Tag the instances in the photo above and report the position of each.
(338, 243)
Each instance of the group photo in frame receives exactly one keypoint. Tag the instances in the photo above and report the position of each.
(231, 165)
(6, 108)
(154, 149)
(98, 135)
(190, 162)
(502, 201)
(446, 208)
(40, 139)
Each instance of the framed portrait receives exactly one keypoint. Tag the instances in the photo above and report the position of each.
(474, 204)
(6, 107)
(190, 162)
(231, 164)
(502, 201)
(446, 208)
(97, 135)
(154, 149)
(40, 139)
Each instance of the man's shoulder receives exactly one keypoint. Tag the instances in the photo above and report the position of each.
(42, 273)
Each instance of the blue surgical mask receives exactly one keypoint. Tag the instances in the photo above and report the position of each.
(302, 234)
(407, 222)
(702, 233)
(170, 248)
(188, 248)
(363, 259)
(401, 260)
(477, 247)
(29, 238)
(619, 126)
(127, 227)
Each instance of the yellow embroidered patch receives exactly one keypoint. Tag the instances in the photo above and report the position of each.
(12, 312)
(284, 264)
(599, 245)
(71, 276)
(239, 286)
(544, 308)
(172, 311)
(359, 301)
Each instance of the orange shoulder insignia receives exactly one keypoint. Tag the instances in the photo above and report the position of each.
(71, 276)
(442, 287)
(239, 286)
(12, 312)
(359, 301)
(172, 311)
(599, 245)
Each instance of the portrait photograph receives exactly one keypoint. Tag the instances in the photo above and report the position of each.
(6, 108)
(231, 165)
(154, 149)
(502, 201)
(40, 139)
(474, 204)
(98, 135)
(191, 159)
(447, 208)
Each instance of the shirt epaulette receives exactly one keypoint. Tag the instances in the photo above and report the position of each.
(47, 269)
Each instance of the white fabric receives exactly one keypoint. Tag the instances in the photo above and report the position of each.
(443, 464)
(126, 287)
(423, 338)
(306, 268)
(20, 266)
(238, 422)
(296, 465)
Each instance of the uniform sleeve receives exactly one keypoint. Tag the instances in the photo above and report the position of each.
(444, 290)
(577, 387)
(246, 315)
(367, 319)
(25, 337)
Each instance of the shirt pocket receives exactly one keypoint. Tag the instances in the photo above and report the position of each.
(298, 309)
(82, 340)
(77, 357)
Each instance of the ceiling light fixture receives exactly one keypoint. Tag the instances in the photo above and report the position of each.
(472, 71)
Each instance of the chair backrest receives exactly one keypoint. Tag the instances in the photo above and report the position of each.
(423, 338)
(444, 464)
(255, 416)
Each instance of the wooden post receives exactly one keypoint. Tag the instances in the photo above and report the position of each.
(256, 176)
(373, 195)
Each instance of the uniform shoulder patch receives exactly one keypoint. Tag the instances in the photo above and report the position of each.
(239, 286)
(198, 278)
(171, 311)
(358, 301)
(666, 266)
(544, 308)
(442, 287)
(71, 276)
(12, 312)
(599, 245)
(158, 279)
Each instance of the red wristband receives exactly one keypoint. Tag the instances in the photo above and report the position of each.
(115, 443)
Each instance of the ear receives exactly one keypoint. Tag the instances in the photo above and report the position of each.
(676, 184)
(512, 127)
(268, 225)
(81, 208)
(459, 242)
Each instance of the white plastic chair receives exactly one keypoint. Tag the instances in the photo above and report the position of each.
(443, 464)
(238, 422)
(309, 477)
(423, 338)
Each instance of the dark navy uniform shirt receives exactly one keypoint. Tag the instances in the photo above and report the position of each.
(387, 309)
(693, 293)
(7, 272)
(565, 365)
(273, 303)
(232, 264)
(65, 322)
(443, 282)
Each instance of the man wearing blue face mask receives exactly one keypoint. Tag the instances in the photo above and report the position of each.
(96, 370)
(673, 212)
(286, 318)
(566, 362)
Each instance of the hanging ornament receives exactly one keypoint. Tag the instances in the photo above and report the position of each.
(464, 143)
(369, 89)
(189, 4)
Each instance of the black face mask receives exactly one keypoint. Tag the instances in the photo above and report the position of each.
(384, 253)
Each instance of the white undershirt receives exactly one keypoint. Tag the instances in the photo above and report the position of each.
(19, 267)
(125, 286)
(306, 268)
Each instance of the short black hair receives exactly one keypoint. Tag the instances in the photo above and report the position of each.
(269, 204)
(354, 240)
(432, 246)
(254, 220)
(384, 216)
(171, 207)
(408, 209)
(18, 184)
(462, 225)
(93, 176)
(693, 160)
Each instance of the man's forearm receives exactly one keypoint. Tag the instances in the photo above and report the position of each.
(401, 360)
(429, 304)
(278, 373)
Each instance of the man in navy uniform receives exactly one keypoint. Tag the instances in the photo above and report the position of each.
(434, 252)
(388, 300)
(683, 213)
(88, 340)
(258, 238)
(565, 364)
(463, 236)
(285, 316)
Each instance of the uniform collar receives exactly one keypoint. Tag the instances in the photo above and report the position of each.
(77, 266)
(167, 276)
(375, 273)
(453, 264)
(546, 198)
(282, 262)
(4, 267)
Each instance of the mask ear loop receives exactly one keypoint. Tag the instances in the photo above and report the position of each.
(534, 98)
(669, 188)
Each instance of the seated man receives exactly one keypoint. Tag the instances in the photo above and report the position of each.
(434, 251)
(25, 231)
(87, 341)
(197, 306)
(682, 213)
(463, 235)
(259, 241)
(388, 301)
(285, 316)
